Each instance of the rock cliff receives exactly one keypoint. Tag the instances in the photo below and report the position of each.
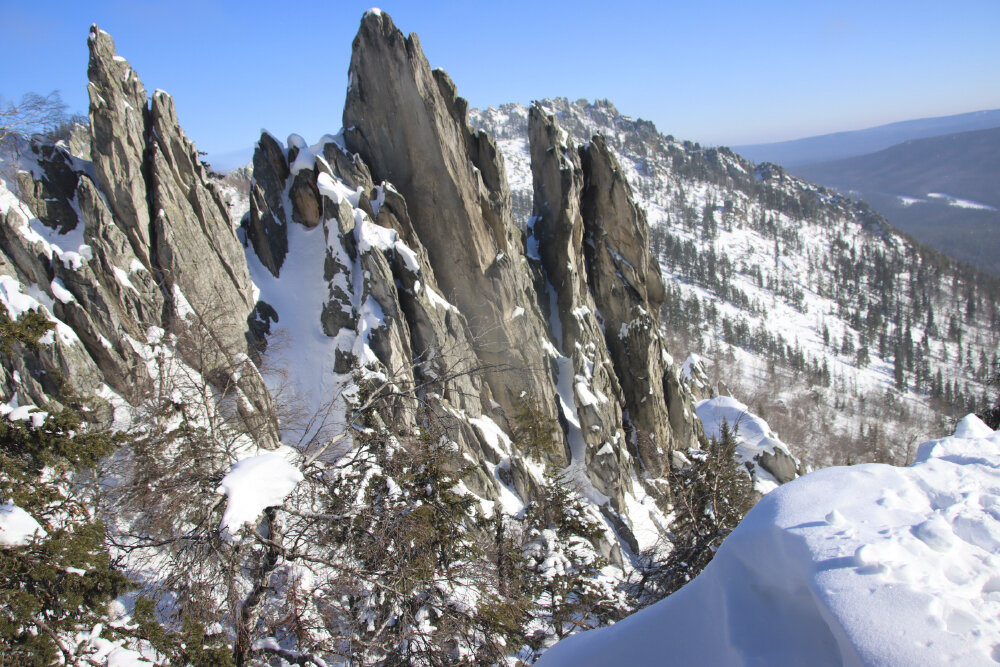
(143, 242)
(386, 256)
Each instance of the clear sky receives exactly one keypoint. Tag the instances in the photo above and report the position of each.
(715, 71)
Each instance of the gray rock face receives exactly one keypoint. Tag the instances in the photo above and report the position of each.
(266, 223)
(628, 292)
(558, 231)
(48, 196)
(780, 464)
(409, 126)
(118, 126)
(181, 269)
(422, 339)
(196, 248)
(62, 359)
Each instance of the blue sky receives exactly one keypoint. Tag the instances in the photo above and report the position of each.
(713, 71)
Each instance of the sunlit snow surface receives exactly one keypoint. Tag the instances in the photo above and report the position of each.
(869, 564)
(17, 527)
(253, 485)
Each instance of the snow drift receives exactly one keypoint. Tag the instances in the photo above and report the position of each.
(869, 564)
(758, 444)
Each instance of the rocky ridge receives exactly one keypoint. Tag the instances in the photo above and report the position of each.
(144, 245)
(390, 255)
(775, 279)
(494, 328)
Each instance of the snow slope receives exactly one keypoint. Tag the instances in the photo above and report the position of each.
(869, 564)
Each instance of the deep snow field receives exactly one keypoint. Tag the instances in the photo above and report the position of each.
(869, 564)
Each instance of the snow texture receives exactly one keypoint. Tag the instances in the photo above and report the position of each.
(753, 435)
(861, 565)
(17, 527)
(251, 486)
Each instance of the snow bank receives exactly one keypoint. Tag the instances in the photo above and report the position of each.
(754, 436)
(868, 564)
(251, 486)
(17, 527)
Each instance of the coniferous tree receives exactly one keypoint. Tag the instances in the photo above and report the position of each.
(710, 497)
(562, 569)
(59, 580)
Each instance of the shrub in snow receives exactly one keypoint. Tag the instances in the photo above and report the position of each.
(56, 577)
(710, 496)
(562, 573)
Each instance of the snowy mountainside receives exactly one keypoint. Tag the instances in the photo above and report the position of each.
(813, 309)
(335, 430)
(822, 561)
(418, 407)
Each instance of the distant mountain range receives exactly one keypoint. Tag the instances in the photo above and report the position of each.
(945, 191)
(839, 145)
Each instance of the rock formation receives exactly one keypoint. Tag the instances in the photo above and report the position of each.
(556, 237)
(391, 253)
(629, 292)
(408, 125)
(609, 373)
(158, 249)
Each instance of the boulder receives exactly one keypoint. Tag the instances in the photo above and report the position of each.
(265, 226)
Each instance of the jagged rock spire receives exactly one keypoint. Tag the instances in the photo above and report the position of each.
(119, 127)
(409, 126)
(628, 290)
(557, 231)
(161, 251)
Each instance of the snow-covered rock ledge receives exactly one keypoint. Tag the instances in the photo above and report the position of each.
(869, 564)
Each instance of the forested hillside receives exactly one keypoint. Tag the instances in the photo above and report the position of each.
(809, 306)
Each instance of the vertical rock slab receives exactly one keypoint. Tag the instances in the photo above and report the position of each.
(266, 224)
(118, 126)
(203, 267)
(178, 227)
(196, 245)
(410, 128)
(628, 291)
(557, 231)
